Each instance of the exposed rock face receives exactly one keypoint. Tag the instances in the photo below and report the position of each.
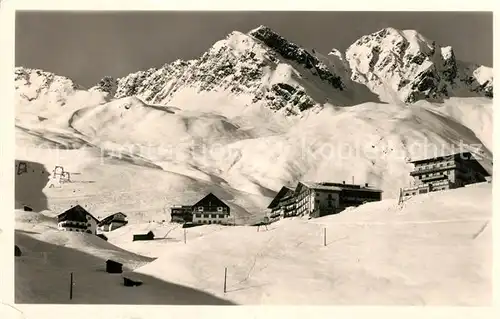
(107, 85)
(405, 66)
(33, 84)
(293, 52)
(261, 65)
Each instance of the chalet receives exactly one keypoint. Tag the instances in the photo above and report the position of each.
(181, 214)
(149, 236)
(77, 219)
(445, 172)
(321, 199)
(113, 267)
(210, 210)
(112, 222)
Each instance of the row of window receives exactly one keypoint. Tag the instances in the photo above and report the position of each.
(330, 203)
(78, 230)
(219, 209)
(209, 222)
(432, 174)
(210, 215)
(431, 166)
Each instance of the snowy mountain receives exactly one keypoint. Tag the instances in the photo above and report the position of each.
(42, 95)
(222, 124)
(262, 67)
(258, 68)
(405, 66)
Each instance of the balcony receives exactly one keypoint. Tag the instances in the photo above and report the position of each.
(434, 177)
(420, 171)
(72, 224)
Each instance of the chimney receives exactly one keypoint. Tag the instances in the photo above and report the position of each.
(343, 182)
(366, 184)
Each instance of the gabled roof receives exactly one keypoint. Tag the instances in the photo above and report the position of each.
(282, 193)
(330, 186)
(320, 186)
(109, 218)
(210, 196)
(466, 155)
(77, 214)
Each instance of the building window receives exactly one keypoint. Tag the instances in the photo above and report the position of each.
(219, 209)
(200, 209)
(330, 203)
(329, 196)
(221, 215)
(198, 215)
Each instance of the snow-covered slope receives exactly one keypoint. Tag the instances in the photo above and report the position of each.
(436, 250)
(176, 156)
(404, 66)
(49, 256)
(175, 133)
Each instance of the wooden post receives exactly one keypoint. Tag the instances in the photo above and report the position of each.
(184, 236)
(71, 286)
(324, 236)
(225, 276)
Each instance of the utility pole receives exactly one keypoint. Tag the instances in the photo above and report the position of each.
(184, 235)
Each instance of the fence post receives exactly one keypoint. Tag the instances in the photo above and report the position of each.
(225, 276)
(71, 286)
(324, 236)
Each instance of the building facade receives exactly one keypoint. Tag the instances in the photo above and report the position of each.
(181, 214)
(211, 210)
(77, 219)
(321, 199)
(444, 172)
(113, 222)
(276, 209)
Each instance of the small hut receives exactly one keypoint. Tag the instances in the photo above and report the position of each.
(148, 236)
(131, 282)
(113, 267)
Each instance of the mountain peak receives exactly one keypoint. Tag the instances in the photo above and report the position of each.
(405, 66)
(261, 28)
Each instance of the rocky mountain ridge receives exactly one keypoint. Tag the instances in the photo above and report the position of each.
(261, 67)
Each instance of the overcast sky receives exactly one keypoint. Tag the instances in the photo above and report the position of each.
(87, 46)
